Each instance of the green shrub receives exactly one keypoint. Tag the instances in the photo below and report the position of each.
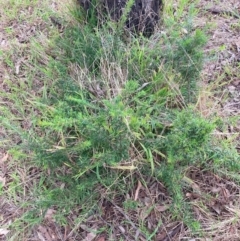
(114, 102)
(190, 137)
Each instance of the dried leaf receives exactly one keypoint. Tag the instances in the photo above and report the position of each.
(184, 30)
(172, 225)
(217, 208)
(40, 236)
(162, 208)
(17, 67)
(101, 239)
(4, 231)
(161, 236)
(90, 236)
(190, 182)
(147, 201)
(3, 181)
(137, 190)
(144, 213)
(43, 232)
(84, 227)
(125, 168)
(122, 229)
(226, 193)
(4, 158)
(216, 189)
(233, 210)
(188, 194)
(50, 214)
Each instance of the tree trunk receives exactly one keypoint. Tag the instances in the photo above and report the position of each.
(143, 17)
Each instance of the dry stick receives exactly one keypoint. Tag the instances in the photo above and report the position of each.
(222, 12)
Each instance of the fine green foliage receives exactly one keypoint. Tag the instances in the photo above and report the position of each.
(189, 139)
(112, 107)
(187, 59)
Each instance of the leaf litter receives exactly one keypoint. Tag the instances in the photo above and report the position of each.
(215, 199)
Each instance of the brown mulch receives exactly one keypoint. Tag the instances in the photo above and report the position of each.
(214, 198)
(223, 69)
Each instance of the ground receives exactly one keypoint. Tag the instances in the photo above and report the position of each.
(215, 199)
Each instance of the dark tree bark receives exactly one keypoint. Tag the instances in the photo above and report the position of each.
(143, 17)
